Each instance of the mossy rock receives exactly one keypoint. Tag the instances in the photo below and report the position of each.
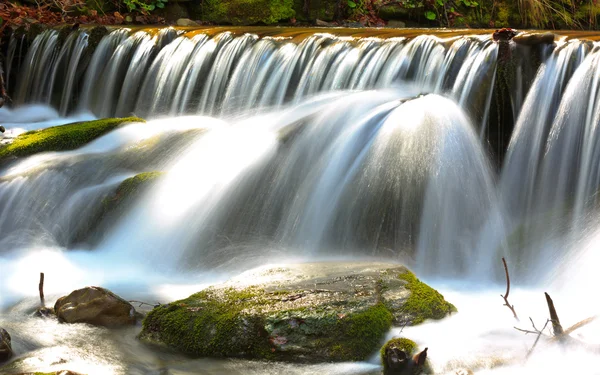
(61, 138)
(128, 191)
(246, 12)
(313, 312)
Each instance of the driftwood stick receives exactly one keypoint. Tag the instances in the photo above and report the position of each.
(582, 323)
(41, 289)
(556, 327)
(505, 296)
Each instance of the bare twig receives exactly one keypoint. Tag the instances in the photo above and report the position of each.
(505, 296)
(556, 326)
(526, 331)
(537, 338)
(41, 289)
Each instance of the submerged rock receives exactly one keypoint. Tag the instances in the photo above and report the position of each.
(306, 312)
(97, 306)
(61, 138)
(5, 345)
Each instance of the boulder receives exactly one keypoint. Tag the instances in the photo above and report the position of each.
(5, 345)
(309, 312)
(96, 306)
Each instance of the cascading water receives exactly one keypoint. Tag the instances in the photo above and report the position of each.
(320, 146)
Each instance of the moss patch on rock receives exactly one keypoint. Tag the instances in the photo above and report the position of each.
(424, 302)
(61, 138)
(406, 345)
(247, 12)
(318, 312)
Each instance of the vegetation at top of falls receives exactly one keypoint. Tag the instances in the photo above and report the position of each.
(424, 302)
(550, 14)
(247, 12)
(61, 138)
(293, 320)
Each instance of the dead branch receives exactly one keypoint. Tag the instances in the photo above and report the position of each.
(526, 331)
(41, 289)
(505, 296)
(582, 323)
(556, 326)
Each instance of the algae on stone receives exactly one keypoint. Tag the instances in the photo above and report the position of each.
(424, 302)
(61, 138)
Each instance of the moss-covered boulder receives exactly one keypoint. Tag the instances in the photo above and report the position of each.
(305, 312)
(244, 12)
(400, 356)
(61, 138)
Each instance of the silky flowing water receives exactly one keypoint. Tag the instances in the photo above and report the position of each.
(287, 146)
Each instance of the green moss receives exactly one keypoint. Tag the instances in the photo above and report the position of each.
(210, 323)
(365, 331)
(247, 12)
(61, 138)
(424, 302)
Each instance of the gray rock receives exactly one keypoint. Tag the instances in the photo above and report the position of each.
(96, 306)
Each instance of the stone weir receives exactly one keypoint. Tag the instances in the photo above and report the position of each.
(208, 70)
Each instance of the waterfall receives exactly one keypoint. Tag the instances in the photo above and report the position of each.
(347, 145)
(174, 72)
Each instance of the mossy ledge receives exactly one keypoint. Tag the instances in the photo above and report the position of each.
(61, 138)
(319, 312)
